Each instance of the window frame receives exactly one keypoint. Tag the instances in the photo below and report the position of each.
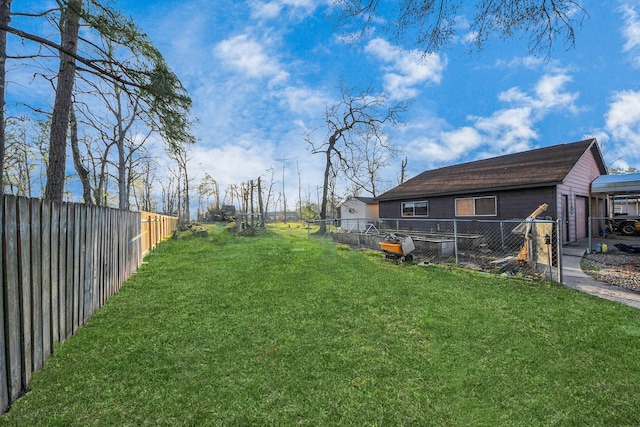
(403, 208)
(475, 199)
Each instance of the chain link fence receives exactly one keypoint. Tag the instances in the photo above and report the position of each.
(530, 248)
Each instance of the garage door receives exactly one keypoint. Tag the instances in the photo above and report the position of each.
(582, 214)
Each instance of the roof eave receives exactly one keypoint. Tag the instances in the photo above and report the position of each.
(473, 191)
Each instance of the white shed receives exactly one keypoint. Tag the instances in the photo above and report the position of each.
(356, 213)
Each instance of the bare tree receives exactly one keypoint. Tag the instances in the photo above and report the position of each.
(169, 196)
(180, 155)
(20, 161)
(299, 189)
(429, 24)
(97, 153)
(403, 171)
(270, 189)
(208, 188)
(369, 158)
(355, 118)
(143, 185)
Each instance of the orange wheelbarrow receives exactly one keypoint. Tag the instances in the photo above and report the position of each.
(397, 247)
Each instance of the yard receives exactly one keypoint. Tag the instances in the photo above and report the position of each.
(283, 329)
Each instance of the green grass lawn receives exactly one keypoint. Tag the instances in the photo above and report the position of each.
(281, 329)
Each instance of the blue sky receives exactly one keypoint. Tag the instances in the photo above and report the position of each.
(260, 73)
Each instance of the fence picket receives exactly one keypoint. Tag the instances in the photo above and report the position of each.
(78, 267)
(87, 264)
(12, 302)
(24, 250)
(111, 252)
(4, 384)
(68, 281)
(62, 273)
(54, 275)
(45, 223)
(36, 282)
(100, 259)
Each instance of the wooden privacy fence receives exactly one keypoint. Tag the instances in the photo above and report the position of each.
(155, 228)
(60, 263)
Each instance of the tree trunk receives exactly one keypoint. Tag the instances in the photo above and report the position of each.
(5, 18)
(260, 205)
(124, 169)
(147, 188)
(251, 190)
(101, 188)
(60, 117)
(187, 211)
(123, 199)
(83, 173)
(325, 192)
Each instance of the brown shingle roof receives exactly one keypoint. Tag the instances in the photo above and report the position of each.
(534, 168)
(367, 200)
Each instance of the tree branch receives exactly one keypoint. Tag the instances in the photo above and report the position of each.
(88, 62)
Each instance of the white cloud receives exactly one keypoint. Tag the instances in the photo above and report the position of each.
(304, 101)
(232, 164)
(405, 69)
(273, 9)
(460, 142)
(622, 122)
(250, 58)
(443, 147)
(513, 129)
(623, 117)
(631, 32)
(550, 94)
(507, 130)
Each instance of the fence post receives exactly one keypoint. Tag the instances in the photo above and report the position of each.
(455, 239)
(589, 224)
(559, 234)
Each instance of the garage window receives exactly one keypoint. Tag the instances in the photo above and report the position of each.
(476, 206)
(415, 209)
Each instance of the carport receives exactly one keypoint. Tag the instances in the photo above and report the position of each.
(622, 192)
(619, 195)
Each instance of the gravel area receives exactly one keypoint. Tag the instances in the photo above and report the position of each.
(619, 269)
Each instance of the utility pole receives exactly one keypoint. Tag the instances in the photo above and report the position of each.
(284, 198)
(299, 191)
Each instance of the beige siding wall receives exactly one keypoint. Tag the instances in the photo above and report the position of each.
(372, 211)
